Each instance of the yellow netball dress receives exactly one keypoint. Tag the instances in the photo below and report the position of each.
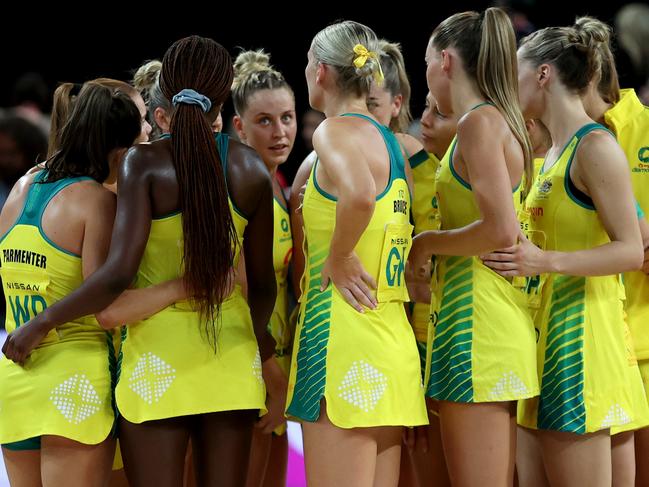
(629, 121)
(365, 365)
(169, 368)
(282, 252)
(426, 217)
(583, 360)
(483, 343)
(64, 388)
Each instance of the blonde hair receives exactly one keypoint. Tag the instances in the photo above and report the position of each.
(608, 85)
(147, 81)
(334, 46)
(396, 81)
(253, 72)
(487, 46)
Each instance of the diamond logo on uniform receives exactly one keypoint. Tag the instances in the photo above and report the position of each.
(76, 399)
(363, 386)
(151, 378)
(256, 367)
(509, 386)
(616, 416)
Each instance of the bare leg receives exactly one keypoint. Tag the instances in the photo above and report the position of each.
(623, 457)
(154, 451)
(336, 456)
(641, 455)
(572, 459)
(483, 433)
(407, 469)
(278, 462)
(386, 472)
(70, 463)
(429, 466)
(118, 478)
(529, 460)
(23, 467)
(221, 447)
(259, 458)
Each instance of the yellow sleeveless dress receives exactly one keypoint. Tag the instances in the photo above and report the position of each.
(629, 121)
(425, 215)
(483, 341)
(168, 367)
(282, 252)
(588, 381)
(365, 365)
(64, 388)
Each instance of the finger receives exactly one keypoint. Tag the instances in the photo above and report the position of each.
(501, 255)
(361, 294)
(272, 427)
(421, 438)
(371, 282)
(262, 422)
(349, 297)
(500, 266)
(366, 295)
(410, 438)
(324, 283)
(5, 345)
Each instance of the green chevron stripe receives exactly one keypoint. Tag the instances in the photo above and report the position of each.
(450, 376)
(312, 352)
(561, 406)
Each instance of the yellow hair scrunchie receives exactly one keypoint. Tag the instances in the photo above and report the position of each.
(362, 55)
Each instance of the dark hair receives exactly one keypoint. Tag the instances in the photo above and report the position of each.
(101, 120)
(210, 238)
(65, 97)
(29, 140)
(487, 45)
(253, 72)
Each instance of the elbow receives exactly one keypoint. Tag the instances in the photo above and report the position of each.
(503, 236)
(635, 259)
(107, 320)
(362, 201)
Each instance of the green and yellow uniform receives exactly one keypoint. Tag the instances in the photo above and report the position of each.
(282, 252)
(365, 365)
(583, 356)
(483, 340)
(425, 215)
(628, 119)
(169, 368)
(64, 388)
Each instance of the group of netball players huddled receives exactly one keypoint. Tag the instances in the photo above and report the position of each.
(471, 308)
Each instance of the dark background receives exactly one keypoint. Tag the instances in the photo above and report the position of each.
(116, 40)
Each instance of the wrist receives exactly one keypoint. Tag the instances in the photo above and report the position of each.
(551, 262)
(336, 252)
(44, 321)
